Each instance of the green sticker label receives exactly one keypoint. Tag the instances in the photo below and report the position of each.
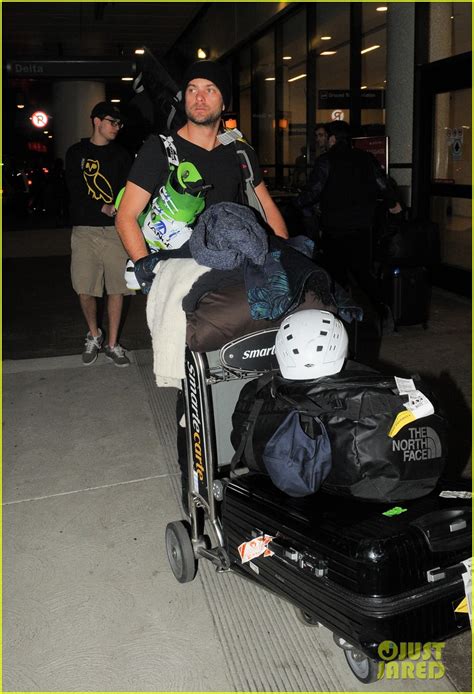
(395, 511)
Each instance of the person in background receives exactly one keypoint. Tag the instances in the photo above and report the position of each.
(96, 169)
(321, 136)
(347, 182)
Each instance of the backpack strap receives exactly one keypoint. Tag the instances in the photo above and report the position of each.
(245, 447)
(307, 406)
(247, 177)
(170, 149)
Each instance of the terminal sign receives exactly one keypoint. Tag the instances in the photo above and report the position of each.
(39, 119)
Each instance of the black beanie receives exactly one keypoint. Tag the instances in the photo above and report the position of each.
(214, 72)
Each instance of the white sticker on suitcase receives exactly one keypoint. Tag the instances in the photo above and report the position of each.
(447, 494)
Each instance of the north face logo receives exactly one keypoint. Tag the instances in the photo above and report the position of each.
(422, 443)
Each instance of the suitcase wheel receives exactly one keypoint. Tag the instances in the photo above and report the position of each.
(364, 668)
(179, 549)
(306, 618)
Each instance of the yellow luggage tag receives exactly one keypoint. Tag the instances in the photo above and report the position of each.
(462, 607)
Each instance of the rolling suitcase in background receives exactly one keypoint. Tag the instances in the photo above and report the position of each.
(407, 292)
(372, 573)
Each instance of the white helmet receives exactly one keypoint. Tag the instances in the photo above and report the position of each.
(310, 344)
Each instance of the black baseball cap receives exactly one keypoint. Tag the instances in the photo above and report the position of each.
(105, 108)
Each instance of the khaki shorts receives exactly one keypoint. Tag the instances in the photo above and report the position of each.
(98, 259)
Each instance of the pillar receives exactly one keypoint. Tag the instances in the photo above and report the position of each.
(400, 92)
(73, 102)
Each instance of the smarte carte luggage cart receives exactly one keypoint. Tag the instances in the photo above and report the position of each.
(372, 573)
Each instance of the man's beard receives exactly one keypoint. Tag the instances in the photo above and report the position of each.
(204, 119)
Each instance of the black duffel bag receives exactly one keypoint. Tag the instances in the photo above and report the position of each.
(357, 410)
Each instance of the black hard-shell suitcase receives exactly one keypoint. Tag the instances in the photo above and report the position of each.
(407, 292)
(369, 572)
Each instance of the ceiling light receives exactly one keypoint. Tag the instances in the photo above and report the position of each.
(114, 101)
(45, 132)
(270, 79)
(20, 105)
(328, 53)
(364, 87)
(202, 53)
(326, 38)
(127, 79)
(383, 8)
(370, 48)
(139, 51)
(50, 137)
(287, 57)
(298, 77)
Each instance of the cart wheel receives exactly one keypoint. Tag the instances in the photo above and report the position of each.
(180, 551)
(364, 668)
(306, 618)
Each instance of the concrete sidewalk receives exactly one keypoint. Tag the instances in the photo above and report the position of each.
(90, 603)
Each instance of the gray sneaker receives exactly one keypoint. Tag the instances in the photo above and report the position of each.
(117, 355)
(93, 346)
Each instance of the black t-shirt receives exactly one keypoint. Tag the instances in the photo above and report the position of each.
(94, 176)
(218, 167)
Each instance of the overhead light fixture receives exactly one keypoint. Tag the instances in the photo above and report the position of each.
(287, 57)
(270, 79)
(383, 8)
(45, 132)
(127, 79)
(20, 105)
(50, 137)
(364, 86)
(328, 53)
(114, 101)
(326, 38)
(202, 53)
(298, 77)
(370, 48)
(139, 51)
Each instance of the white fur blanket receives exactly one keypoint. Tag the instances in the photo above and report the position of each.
(166, 318)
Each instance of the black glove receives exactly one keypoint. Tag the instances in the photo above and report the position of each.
(144, 271)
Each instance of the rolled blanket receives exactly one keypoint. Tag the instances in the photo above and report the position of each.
(167, 320)
(226, 235)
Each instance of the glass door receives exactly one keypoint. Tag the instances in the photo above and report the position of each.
(451, 165)
(442, 164)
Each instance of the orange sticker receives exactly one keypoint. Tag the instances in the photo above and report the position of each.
(255, 548)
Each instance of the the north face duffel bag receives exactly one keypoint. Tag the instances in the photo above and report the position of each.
(368, 459)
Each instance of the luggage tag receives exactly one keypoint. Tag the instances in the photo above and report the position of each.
(229, 136)
(418, 405)
(466, 604)
(447, 494)
(255, 548)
